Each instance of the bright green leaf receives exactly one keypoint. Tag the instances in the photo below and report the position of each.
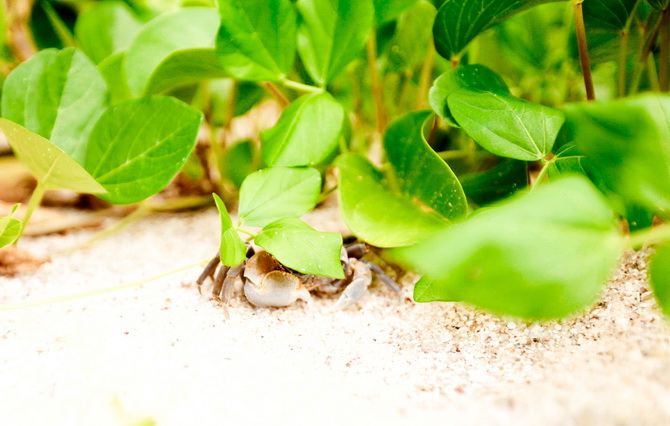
(106, 28)
(458, 22)
(306, 134)
(387, 10)
(421, 174)
(331, 34)
(375, 214)
(113, 72)
(276, 193)
(138, 146)
(184, 67)
(506, 125)
(659, 276)
(300, 247)
(59, 95)
(541, 255)
(190, 28)
(412, 38)
(233, 250)
(10, 228)
(257, 38)
(52, 167)
(473, 77)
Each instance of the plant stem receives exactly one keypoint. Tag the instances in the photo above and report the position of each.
(665, 50)
(377, 93)
(276, 93)
(540, 176)
(244, 231)
(648, 236)
(583, 50)
(301, 87)
(623, 50)
(425, 77)
(645, 49)
(35, 200)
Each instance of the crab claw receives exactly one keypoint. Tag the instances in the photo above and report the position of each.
(277, 288)
(357, 289)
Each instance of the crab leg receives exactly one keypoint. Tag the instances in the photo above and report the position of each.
(208, 271)
(218, 282)
(388, 281)
(357, 289)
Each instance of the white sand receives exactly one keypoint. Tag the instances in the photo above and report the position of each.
(161, 351)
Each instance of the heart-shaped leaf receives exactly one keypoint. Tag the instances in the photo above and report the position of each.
(183, 29)
(377, 215)
(59, 95)
(659, 276)
(541, 255)
(10, 229)
(331, 34)
(52, 166)
(257, 38)
(276, 193)
(387, 10)
(420, 173)
(506, 125)
(458, 22)
(138, 146)
(306, 134)
(473, 77)
(106, 28)
(233, 251)
(300, 247)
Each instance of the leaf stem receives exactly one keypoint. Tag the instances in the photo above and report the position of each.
(377, 93)
(540, 176)
(665, 51)
(276, 93)
(244, 231)
(301, 87)
(580, 29)
(35, 200)
(649, 236)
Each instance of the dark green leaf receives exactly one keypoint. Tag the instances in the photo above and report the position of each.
(473, 77)
(51, 165)
(608, 14)
(658, 4)
(190, 28)
(138, 146)
(307, 132)
(257, 38)
(387, 10)
(233, 251)
(506, 125)
(422, 176)
(374, 213)
(59, 95)
(659, 276)
(458, 22)
(502, 180)
(106, 28)
(298, 246)
(331, 34)
(540, 255)
(276, 193)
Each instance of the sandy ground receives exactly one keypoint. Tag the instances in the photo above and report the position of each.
(161, 352)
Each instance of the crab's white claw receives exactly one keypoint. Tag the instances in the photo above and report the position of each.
(278, 288)
(356, 290)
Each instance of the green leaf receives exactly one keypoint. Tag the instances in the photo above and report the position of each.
(458, 22)
(138, 146)
(238, 162)
(658, 4)
(106, 28)
(233, 251)
(257, 38)
(659, 276)
(52, 167)
(184, 67)
(112, 71)
(541, 255)
(473, 77)
(276, 193)
(331, 34)
(421, 174)
(298, 246)
(502, 180)
(387, 10)
(626, 144)
(506, 125)
(608, 15)
(10, 228)
(59, 95)
(412, 38)
(190, 28)
(306, 134)
(377, 215)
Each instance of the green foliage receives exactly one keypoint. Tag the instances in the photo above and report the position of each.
(387, 10)
(538, 256)
(10, 229)
(232, 248)
(659, 275)
(410, 43)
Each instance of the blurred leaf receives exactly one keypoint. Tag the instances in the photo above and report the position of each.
(233, 251)
(613, 15)
(659, 276)
(106, 28)
(458, 22)
(134, 160)
(59, 95)
(422, 176)
(506, 125)
(473, 77)
(298, 246)
(52, 167)
(658, 4)
(184, 67)
(331, 34)
(387, 10)
(541, 255)
(306, 134)
(190, 28)
(377, 215)
(238, 162)
(502, 180)
(276, 193)
(412, 38)
(112, 71)
(257, 38)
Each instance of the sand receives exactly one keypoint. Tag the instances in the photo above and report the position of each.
(162, 353)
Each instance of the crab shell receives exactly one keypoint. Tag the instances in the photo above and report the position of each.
(267, 284)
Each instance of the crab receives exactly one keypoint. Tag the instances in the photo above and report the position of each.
(268, 283)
